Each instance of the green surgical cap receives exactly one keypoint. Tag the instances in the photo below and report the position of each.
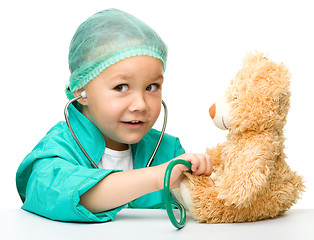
(105, 38)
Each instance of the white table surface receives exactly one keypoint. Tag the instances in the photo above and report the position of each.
(297, 224)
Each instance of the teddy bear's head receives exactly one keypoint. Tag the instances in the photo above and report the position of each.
(257, 99)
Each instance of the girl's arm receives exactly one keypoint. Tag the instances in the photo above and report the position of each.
(120, 188)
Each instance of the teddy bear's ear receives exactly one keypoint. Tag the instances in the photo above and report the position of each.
(253, 57)
(271, 80)
(276, 77)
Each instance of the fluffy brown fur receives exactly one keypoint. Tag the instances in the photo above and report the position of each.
(252, 178)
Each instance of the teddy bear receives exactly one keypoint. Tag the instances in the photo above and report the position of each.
(251, 180)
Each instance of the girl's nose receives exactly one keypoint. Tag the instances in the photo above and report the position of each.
(212, 111)
(138, 104)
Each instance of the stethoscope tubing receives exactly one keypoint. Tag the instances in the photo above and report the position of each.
(151, 159)
(167, 197)
(66, 116)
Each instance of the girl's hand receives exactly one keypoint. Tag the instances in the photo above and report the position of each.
(200, 165)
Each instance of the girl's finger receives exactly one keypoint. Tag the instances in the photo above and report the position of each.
(195, 162)
(201, 165)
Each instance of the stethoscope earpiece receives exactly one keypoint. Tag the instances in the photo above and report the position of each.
(83, 94)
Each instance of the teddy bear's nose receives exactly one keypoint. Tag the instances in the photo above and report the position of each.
(212, 111)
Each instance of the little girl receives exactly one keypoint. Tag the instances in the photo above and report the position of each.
(119, 62)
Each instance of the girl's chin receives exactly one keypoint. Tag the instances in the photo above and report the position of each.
(132, 141)
(125, 138)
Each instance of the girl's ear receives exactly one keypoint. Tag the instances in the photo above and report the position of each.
(82, 101)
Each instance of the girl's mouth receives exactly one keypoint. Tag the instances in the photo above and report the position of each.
(133, 124)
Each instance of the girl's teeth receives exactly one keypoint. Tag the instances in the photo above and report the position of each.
(135, 121)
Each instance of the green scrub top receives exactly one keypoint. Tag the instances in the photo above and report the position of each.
(51, 179)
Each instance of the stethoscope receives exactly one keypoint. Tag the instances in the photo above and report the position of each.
(167, 199)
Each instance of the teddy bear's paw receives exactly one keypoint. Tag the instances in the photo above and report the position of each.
(186, 195)
(183, 195)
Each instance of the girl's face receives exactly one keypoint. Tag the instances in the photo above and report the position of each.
(124, 101)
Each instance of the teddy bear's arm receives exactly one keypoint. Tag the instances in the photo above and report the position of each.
(246, 176)
(215, 155)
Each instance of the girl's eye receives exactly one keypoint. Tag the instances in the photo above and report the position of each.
(152, 87)
(121, 88)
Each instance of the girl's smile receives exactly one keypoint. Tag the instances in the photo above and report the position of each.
(133, 124)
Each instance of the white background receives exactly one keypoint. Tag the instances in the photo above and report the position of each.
(206, 41)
